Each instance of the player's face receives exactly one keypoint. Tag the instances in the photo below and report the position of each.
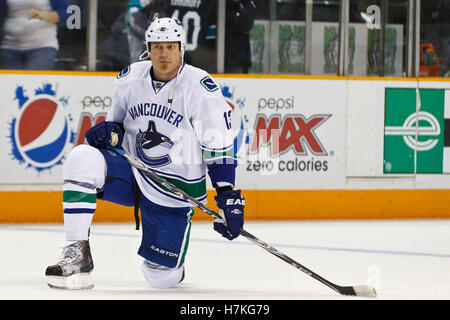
(166, 59)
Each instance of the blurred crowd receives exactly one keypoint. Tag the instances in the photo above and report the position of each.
(35, 34)
(53, 34)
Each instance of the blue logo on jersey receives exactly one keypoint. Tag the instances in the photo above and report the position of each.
(151, 139)
(209, 84)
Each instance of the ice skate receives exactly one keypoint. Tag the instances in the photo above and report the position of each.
(73, 270)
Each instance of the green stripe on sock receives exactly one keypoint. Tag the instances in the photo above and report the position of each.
(77, 196)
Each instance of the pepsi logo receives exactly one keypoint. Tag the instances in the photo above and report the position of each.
(41, 132)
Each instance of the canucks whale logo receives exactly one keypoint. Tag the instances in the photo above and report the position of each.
(150, 144)
(239, 121)
(41, 131)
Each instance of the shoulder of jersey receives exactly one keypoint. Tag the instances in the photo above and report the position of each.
(199, 78)
(135, 70)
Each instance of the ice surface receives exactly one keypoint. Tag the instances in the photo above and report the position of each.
(402, 259)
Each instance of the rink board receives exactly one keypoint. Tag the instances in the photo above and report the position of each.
(46, 207)
(309, 147)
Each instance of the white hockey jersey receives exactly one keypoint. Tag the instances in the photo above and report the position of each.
(177, 141)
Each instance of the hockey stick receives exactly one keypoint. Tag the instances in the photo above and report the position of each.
(362, 290)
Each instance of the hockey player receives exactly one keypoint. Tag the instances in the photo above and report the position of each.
(174, 118)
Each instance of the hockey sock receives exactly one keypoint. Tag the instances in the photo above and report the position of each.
(79, 204)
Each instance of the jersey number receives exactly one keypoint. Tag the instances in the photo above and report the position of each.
(191, 33)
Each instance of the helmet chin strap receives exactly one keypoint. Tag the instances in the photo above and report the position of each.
(144, 55)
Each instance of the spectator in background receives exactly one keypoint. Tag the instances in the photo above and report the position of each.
(199, 19)
(138, 17)
(240, 16)
(137, 23)
(30, 33)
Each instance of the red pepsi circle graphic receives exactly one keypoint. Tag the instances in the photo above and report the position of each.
(42, 131)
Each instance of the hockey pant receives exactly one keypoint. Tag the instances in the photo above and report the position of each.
(91, 174)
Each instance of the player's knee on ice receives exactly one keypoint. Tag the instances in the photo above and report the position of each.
(85, 164)
(161, 277)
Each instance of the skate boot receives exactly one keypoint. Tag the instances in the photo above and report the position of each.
(73, 270)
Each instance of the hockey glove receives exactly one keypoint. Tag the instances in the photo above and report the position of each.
(232, 205)
(105, 134)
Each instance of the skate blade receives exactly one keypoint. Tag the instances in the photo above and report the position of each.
(77, 281)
